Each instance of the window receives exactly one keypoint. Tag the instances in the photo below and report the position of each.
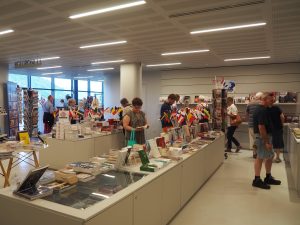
(82, 85)
(43, 97)
(96, 86)
(99, 96)
(82, 95)
(41, 82)
(62, 84)
(21, 80)
(59, 95)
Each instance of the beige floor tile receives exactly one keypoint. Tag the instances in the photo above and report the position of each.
(229, 198)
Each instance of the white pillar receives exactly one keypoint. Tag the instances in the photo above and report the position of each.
(3, 80)
(131, 80)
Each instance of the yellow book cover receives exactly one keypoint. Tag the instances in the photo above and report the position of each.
(24, 136)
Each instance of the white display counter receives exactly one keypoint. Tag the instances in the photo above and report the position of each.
(294, 159)
(61, 152)
(153, 200)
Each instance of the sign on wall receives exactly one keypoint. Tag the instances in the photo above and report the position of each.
(28, 63)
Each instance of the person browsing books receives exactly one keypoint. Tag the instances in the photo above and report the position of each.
(135, 120)
(165, 112)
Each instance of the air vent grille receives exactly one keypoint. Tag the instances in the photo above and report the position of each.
(217, 8)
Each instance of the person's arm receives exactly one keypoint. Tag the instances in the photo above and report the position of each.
(126, 122)
(262, 118)
(247, 113)
(282, 118)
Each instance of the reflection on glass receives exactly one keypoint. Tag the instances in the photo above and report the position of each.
(86, 194)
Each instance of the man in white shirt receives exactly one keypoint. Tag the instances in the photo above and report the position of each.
(232, 114)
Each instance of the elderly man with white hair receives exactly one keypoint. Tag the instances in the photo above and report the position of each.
(251, 107)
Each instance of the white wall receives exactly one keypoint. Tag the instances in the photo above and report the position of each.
(3, 80)
(273, 77)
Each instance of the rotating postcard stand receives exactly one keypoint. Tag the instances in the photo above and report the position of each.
(29, 188)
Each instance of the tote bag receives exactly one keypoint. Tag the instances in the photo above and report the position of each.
(132, 140)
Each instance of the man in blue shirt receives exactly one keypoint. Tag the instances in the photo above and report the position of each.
(48, 118)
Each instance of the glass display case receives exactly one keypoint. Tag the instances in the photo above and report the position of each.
(86, 194)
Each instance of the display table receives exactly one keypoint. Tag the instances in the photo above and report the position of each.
(153, 200)
(6, 172)
(294, 158)
(61, 152)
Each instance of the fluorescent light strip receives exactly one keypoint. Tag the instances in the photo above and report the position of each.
(110, 176)
(49, 58)
(54, 73)
(6, 32)
(109, 9)
(105, 62)
(185, 52)
(103, 44)
(249, 58)
(100, 195)
(49, 67)
(228, 28)
(91, 70)
(164, 64)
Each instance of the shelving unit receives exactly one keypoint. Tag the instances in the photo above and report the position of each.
(12, 119)
(219, 109)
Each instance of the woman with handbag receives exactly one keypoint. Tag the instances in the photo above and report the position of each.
(233, 121)
(135, 123)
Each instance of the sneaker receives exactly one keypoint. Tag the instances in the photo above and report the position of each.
(278, 160)
(238, 148)
(260, 184)
(225, 155)
(272, 181)
(228, 150)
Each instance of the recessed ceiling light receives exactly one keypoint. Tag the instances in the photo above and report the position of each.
(109, 9)
(185, 52)
(49, 58)
(228, 28)
(6, 32)
(100, 69)
(103, 44)
(105, 62)
(54, 73)
(249, 58)
(49, 67)
(164, 64)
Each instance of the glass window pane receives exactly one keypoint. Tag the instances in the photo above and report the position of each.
(96, 86)
(21, 80)
(59, 95)
(82, 95)
(41, 82)
(63, 84)
(99, 97)
(43, 97)
(82, 85)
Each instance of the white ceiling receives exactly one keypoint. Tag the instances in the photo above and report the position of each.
(42, 29)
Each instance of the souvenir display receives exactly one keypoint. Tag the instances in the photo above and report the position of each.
(31, 116)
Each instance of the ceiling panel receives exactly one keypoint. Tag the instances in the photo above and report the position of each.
(42, 27)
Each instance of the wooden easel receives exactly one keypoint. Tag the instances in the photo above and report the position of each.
(6, 173)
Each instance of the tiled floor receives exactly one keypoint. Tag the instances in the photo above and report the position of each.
(229, 199)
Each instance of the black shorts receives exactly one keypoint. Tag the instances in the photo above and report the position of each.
(277, 139)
